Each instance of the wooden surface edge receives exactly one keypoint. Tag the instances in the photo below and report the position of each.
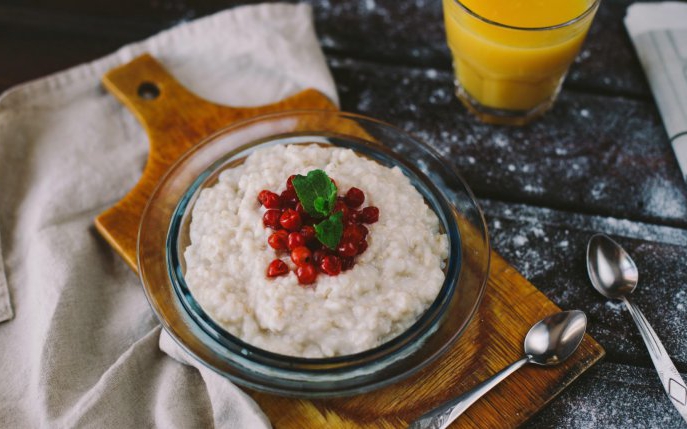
(598, 353)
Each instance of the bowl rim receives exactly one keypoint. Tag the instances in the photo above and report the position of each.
(395, 344)
(484, 261)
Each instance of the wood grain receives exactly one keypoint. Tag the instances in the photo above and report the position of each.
(175, 120)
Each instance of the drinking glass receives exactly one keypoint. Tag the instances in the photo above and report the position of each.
(511, 74)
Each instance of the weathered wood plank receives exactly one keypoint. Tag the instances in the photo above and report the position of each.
(592, 154)
(401, 32)
(548, 247)
(611, 396)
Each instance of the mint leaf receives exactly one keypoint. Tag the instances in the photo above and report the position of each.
(316, 192)
(329, 231)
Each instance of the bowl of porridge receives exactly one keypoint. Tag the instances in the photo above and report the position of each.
(313, 253)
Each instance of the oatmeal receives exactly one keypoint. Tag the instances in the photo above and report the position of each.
(337, 310)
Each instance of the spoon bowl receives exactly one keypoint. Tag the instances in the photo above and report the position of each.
(611, 270)
(555, 338)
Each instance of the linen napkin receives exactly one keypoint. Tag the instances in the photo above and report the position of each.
(83, 348)
(659, 34)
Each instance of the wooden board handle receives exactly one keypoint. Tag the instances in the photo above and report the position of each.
(175, 120)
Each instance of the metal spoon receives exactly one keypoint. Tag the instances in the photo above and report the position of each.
(614, 275)
(549, 342)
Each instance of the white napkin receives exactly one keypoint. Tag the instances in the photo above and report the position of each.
(83, 347)
(659, 34)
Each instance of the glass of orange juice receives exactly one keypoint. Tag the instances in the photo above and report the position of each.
(510, 56)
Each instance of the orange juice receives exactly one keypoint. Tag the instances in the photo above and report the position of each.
(510, 56)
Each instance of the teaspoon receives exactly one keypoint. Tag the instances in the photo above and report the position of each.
(549, 342)
(614, 275)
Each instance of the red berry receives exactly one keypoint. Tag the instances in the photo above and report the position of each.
(277, 268)
(278, 240)
(330, 265)
(301, 255)
(340, 206)
(306, 274)
(362, 247)
(271, 219)
(355, 216)
(347, 247)
(318, 255)
(295, 239)
(289, 183)
(289, 199)
(308, 233)
(347, 263)
(271, 200)
(290, 220)
(363, 229)
(352, 233)
(354, 198)
(370, 214)
(262, 195)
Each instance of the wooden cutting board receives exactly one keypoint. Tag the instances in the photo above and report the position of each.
(176, 119)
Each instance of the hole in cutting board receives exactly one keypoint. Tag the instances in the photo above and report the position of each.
(148, 91)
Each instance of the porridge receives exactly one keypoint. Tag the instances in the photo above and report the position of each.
(312, 266)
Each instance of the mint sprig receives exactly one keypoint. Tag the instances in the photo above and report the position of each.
(329, 231)
(316, 192)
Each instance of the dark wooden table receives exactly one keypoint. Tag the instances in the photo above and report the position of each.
(599, 161)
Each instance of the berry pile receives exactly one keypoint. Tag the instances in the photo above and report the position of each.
(295, 232)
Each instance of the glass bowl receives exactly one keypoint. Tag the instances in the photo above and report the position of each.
(164, 234)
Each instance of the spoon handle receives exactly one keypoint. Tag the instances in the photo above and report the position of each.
(673, 383)
(444, 414)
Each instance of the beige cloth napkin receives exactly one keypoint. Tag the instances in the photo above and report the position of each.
(83, 347)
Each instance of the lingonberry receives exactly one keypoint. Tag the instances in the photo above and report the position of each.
(271, 219)
(279, 240)
(370, 214)
(288, 199)
(271, 201)
(354, 198)
(353, 233)
(318, 255)
(347, 247)
(306, 274)
(301, 255)
(295, 239)
(340, 206)
(290, 220)
(330, 265)
(262, 195)
(355, 216)
(308, 233)
(277, 268)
